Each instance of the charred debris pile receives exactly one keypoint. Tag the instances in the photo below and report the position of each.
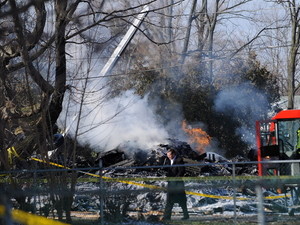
(118, 162)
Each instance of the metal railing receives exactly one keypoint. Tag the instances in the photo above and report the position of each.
(135, 193)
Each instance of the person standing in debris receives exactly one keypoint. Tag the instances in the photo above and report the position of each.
(175, 188)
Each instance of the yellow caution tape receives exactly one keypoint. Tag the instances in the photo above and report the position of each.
(95, 175)
(158, 187)
(2, 210)
(11, 152)
(28, 218)
(216, 196)
(50, 163)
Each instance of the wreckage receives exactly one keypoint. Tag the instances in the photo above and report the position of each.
(118, 158)
(144, 199)
(205, 195)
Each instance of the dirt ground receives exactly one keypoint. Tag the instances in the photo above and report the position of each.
(217, 219)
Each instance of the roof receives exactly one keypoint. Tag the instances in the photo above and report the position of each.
(287, 114)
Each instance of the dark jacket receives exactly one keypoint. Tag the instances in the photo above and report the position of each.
(175, 171)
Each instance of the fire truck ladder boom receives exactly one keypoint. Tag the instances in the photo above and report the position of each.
(125, 41)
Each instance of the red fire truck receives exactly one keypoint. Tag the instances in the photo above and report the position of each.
(279, 139)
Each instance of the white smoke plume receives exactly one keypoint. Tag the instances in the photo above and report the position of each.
(126, 120)
(246, 102)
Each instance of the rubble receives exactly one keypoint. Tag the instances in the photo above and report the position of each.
(118, 158)
(126, 200)
(142, 201)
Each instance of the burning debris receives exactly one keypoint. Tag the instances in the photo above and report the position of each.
(118, 158)
(197, 136)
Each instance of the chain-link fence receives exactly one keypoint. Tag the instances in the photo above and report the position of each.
(131, 195)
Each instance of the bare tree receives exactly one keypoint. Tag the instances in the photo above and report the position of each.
(294, 10)
(283, 44)
(188, 31)
(37, 44)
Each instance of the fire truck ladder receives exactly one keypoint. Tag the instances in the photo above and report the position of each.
(125, 41)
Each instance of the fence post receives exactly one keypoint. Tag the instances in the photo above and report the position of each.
(234, 192)
(101, 193)
(260, 206)
(34, 188)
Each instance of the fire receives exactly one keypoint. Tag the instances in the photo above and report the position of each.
(197, 136)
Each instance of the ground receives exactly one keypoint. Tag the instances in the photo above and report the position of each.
(217, 219)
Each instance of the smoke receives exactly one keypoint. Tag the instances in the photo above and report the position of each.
(126, 121)
(246, 104)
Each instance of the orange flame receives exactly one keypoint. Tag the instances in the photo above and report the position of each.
(197, 136)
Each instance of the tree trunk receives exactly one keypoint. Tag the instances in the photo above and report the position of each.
(170, 19)
(55, 107)
(211, 39)
(293, 53)
(188, 32)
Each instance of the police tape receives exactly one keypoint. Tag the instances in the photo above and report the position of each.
(161, 188)
(131, 182)
(12, 152)
(98, 176)
(28, 218)
(2, 210)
